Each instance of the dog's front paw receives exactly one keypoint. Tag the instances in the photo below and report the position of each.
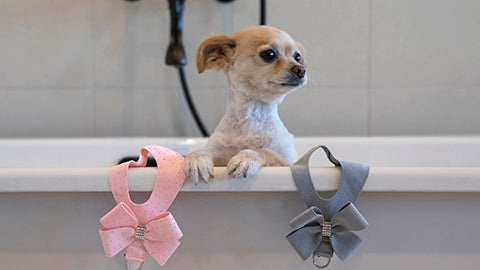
(199, 165)
(244, 164)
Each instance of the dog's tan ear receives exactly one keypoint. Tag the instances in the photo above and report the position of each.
(215, 52)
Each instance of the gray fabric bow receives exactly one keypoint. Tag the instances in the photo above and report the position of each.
(312, 234)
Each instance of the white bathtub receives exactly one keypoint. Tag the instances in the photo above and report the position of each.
(421, 200)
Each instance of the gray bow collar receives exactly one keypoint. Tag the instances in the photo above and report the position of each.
(312, 234)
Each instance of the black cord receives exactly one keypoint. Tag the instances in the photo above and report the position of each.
(263, 12)
(188, 97)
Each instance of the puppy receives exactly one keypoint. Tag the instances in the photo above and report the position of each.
(263, 64)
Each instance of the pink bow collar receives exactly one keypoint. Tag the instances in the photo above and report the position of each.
(159, 236)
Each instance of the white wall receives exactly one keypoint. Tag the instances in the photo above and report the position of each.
(96, 67)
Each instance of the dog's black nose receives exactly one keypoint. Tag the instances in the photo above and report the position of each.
(299, 71)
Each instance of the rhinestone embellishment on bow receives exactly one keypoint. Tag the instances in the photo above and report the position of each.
(327, 229)
(140, 233)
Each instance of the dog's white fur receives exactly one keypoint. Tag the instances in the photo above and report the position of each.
(250, 134)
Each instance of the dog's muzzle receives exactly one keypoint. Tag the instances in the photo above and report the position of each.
(293, 80)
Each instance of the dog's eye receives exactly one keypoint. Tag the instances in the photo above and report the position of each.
(297, 57)
(268, 55)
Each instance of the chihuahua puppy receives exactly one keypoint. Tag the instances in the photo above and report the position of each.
(263, 64)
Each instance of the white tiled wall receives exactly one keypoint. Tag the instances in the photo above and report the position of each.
(96, 67)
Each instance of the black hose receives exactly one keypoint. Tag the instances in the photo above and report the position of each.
(263, 12)
(188, 97)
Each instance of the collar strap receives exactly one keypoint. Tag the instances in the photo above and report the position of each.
(352, 179)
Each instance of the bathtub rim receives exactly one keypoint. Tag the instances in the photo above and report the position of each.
(381, 179)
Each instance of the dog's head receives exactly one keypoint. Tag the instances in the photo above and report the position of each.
(265, 60)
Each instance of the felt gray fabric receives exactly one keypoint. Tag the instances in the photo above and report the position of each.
(306, 236)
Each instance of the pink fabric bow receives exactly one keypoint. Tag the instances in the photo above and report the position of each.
(159, 237)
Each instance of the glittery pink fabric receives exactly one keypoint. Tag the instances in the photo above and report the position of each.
(120, 224)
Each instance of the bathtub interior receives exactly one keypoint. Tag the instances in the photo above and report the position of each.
(377, 152)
